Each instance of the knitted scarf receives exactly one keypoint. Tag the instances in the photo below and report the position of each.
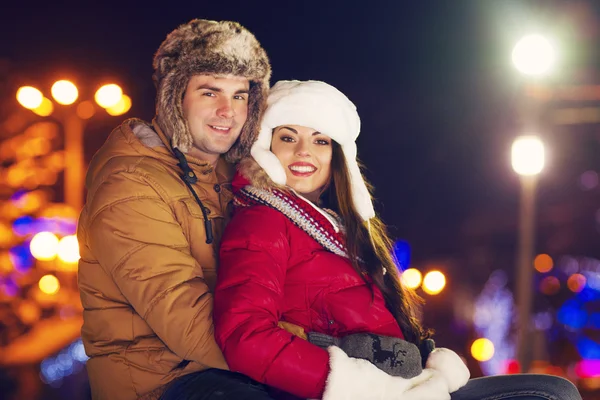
(300, 212)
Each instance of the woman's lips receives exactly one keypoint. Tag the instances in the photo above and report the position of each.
(302, 169)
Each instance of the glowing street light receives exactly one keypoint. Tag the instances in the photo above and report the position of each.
(482, 349)
(29, 97)
(45, 108)
(64, 92)
(49, 284)
(411, 278)
(121, 107)
(108, 95)
(43, 246)
(73, 120)
(533, 55)
(434, 282)
(528, 155)
(68, 249)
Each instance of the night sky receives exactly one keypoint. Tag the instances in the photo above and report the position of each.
(432, 82)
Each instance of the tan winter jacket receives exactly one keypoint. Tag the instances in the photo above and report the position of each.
(146, 273)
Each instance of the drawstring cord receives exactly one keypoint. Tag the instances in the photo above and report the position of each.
(189, 178)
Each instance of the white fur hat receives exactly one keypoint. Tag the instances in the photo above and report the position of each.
(321, 107)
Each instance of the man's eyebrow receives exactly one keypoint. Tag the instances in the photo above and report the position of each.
(219, 90)
(209, 87)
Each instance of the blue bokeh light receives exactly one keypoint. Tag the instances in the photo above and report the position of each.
(402, 254)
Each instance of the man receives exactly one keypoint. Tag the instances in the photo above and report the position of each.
(156, 207)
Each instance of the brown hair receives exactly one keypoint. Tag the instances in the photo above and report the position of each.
(372, 246)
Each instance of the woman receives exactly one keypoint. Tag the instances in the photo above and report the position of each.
(305, 248)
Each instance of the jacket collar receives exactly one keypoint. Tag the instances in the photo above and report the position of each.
(204, 166)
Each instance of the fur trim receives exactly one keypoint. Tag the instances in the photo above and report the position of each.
(147, 136)
(358, 379)
(257, 176)
(322, 107)
(451, 366)
(209, 47)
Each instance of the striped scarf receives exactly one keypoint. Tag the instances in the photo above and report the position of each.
(300, 212)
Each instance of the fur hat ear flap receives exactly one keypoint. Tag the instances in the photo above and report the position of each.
(261, 152)
(360, 193)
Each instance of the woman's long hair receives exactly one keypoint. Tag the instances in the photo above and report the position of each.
(373, 246)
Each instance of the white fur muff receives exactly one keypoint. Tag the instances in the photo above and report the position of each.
(357, 379)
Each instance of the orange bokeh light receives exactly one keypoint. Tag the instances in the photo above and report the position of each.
(86, 109)
(543, 263)
(576, 283)
(550, 285)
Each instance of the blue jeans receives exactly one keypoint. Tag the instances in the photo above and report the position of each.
(213, 384)
(518, 387)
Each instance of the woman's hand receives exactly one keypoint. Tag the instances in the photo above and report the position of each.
(451, 367)
(357, 379)
(293, 329)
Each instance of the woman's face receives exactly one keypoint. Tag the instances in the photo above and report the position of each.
(306, 157)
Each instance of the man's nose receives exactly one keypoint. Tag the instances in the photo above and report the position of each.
(225, 109)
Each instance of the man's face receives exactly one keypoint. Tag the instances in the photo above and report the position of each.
(215, 108)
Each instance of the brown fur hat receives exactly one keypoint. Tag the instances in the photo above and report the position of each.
(209, 47)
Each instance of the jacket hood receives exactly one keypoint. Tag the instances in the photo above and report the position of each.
(135, 138)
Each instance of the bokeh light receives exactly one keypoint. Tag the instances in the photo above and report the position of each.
(29, 97)
(121, 107)
(543, 321)
(528, 155)
(108, 95)
(588, 180)
(576, 283)
(44, 246)
(85, 109)
(549, 285)
(482, 349)
(64, 92)
(533, 55)
(512, 367)
(588, 368)
(28, 311)
(411, 278)
(434, 282)
(68, 249)
(6, 264)
(45, 108)
(20, 257)
(543, 263)
(572, 314)
(49, 284)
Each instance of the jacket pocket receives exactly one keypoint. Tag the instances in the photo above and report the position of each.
(193, 208)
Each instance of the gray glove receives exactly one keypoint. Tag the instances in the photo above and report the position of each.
(394, 356)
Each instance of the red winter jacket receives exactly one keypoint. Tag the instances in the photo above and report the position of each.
(271, 270)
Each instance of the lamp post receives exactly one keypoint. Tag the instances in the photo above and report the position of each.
(528, 162)
(534, 57)
(73, 118)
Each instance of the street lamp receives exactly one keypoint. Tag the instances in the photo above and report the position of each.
(534, 57)
(73, 118)
(527, 161)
